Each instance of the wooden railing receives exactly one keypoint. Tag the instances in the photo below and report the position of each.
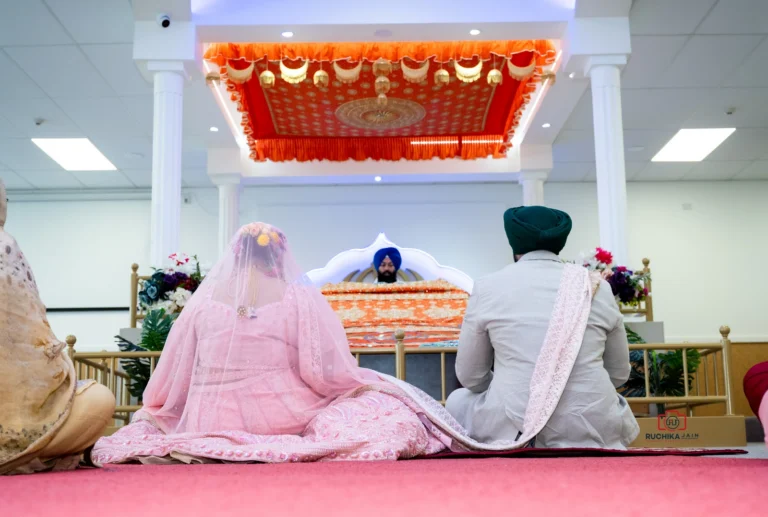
(104, 367)
(708, 388)
(694, 396)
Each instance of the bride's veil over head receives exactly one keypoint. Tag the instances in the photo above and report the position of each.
(256, 342)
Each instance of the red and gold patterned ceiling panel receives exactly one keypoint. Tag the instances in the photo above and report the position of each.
(323, 102)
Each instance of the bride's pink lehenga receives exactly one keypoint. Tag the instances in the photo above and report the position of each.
(257, 368)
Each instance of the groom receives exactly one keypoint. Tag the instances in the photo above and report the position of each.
(508, 316)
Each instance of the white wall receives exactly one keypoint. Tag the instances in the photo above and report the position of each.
(704, 260)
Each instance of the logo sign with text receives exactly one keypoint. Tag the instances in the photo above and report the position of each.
(672, 426)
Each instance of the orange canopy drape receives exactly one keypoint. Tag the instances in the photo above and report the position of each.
(275, 133)
(444, 51)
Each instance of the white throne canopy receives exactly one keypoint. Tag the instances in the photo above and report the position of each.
(416, 260)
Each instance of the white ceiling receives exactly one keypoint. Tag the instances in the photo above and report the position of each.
(70, 63)
(691, 61)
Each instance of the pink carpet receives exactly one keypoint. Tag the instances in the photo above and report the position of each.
(625, 486)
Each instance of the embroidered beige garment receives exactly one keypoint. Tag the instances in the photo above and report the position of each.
(37, 378)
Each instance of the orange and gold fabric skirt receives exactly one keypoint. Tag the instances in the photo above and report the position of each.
(430, 312)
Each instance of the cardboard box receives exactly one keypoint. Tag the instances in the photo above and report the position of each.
(676, 430)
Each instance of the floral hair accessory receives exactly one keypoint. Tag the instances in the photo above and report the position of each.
(263, 240)
(264, 234)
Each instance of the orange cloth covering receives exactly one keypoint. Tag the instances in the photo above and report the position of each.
(428, 311)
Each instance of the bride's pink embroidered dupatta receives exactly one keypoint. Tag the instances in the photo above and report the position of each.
(258, 368)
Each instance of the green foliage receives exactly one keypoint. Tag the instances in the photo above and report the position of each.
(668, 376)
(633, 337)
(155, 329)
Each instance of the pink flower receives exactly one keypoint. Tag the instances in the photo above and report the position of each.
(621, 269)
(179, 259)
(603, 256)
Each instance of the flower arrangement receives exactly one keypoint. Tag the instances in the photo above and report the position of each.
(629, 287)
(170, 289)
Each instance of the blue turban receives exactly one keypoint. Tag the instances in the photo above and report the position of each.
(393, 255)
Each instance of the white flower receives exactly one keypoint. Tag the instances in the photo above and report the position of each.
(169, 306)
(180, 296)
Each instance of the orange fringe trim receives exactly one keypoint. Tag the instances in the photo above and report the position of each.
(387, 148)
(220, 53)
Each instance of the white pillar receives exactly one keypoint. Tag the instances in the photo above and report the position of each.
(166, 159)
(533, 187)
(229, 207)
(604, 71)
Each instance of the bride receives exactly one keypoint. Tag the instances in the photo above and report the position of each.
(257, 368)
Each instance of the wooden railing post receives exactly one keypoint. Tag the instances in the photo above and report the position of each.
(71, 340)
(725, 331)
(400, 354)
(134, 294)
(649, 298)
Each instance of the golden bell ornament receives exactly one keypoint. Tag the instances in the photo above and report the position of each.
(322, 79)
(494, 77)
(381, 100)
(381, 67)
(382, 84)
(442, 77)
(267, 79)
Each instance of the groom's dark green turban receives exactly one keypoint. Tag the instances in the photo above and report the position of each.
(533, 228)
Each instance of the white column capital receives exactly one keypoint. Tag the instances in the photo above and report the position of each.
(618, 61)
(182, 68)
(221, 180)
(534, 175)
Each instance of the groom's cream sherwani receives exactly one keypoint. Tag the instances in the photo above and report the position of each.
(504, 328)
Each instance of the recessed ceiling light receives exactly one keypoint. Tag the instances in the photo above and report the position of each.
(377, 179)
(74, 154)
(474, 32)
(287, 34)
(546, 125)
(692, 145)
(572, 75)
(214, 129)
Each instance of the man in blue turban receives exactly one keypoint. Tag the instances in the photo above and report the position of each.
(387, 262)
